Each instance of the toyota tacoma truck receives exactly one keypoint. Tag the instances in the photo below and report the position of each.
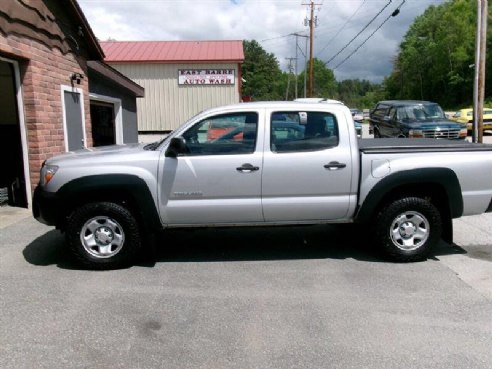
(273, 163)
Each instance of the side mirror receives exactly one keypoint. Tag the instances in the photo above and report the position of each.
(176, 147)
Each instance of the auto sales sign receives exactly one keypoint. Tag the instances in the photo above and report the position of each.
(206, 77)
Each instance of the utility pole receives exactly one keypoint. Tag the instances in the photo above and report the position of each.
(305, 60)
(288, 77)
(313, 22)
(479, 85)
(295, 89)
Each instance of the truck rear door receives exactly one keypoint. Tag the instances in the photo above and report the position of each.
(307, 169)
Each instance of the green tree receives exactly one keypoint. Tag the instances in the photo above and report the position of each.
(324, 82)
(359, 93)
(261, 72)
(434, 58)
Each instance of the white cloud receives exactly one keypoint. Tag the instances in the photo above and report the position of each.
(266, 21)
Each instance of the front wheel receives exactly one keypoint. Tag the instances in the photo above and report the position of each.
(103, 235)
(408, 229)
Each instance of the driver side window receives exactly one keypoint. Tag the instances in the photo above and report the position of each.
(225, 134)
(392, 115)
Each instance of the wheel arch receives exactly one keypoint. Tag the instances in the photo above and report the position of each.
(439, 185)
(128, 190)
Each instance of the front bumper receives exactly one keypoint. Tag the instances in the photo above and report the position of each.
(46, 207)
(486, 126)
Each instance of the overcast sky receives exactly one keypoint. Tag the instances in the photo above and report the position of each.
(269, 22)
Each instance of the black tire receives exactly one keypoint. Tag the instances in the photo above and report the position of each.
(103, 235)
(408, 229)
(376, 133)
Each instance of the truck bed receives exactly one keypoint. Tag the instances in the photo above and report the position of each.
(414, 145)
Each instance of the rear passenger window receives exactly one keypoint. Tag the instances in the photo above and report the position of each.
(302, 131)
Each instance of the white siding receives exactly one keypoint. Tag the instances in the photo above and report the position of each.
(166, 104)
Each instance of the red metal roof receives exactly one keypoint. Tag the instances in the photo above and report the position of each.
(173, 51)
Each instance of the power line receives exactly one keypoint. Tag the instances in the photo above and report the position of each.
(302, 52)
(341, 29)
(394, 14)
(362, 30)
(276, 38)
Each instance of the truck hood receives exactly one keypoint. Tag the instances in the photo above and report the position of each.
(97, 153)
(433, 124)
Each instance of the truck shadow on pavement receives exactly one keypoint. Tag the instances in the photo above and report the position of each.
(49, 249)
(265, 243)
(236, 244)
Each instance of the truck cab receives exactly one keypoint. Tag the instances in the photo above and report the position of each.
(254, 173)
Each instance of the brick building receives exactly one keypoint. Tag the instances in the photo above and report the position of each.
(52, 79)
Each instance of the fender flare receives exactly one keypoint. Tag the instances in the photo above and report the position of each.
(134, 189)
(444, 177)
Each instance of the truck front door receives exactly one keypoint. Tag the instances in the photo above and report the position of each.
(218, 181)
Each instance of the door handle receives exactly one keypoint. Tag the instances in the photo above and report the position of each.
(247, 168)
(334, 165)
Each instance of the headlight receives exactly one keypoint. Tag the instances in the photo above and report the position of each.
(47, 173)
(415, 133)
(463, 132)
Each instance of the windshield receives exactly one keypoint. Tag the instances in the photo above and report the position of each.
(420, 112)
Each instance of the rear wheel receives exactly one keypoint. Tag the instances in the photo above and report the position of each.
(408, 229)
(376, 133)
(103, 235)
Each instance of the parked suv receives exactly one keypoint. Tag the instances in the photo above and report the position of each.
(413, 119)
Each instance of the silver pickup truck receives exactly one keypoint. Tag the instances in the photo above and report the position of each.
(272, 163)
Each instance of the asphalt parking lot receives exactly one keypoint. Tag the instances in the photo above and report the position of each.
(288, 297)
(296, 297)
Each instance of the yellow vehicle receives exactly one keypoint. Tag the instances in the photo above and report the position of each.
(466, 116)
